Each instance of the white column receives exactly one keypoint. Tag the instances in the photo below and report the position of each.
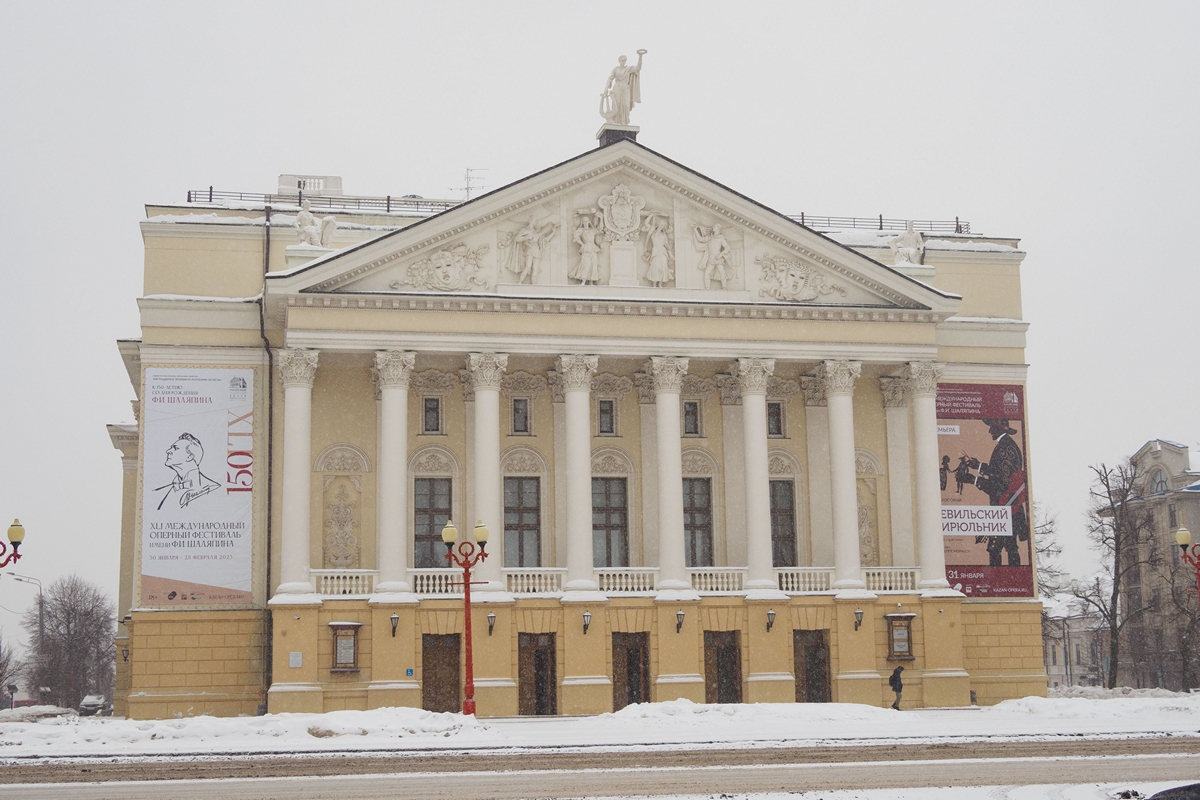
(298, 368)
(839, 377)
(752, 374)
(576, 373)
(899, 467)
(922, 385)
(393, 369)
(486, 370)
(667, 374)
(820, 503)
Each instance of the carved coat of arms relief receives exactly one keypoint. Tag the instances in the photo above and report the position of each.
(621, 211)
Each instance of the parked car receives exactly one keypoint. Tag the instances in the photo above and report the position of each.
(92, 704)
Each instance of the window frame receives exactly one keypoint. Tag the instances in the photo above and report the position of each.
(779, 404)
(436, 536)
(692, 530)
(344, 631)
(520, 528)
(683, 416)
(614, 420)
(1159, 482)
(608, 528)
(775, 513)
(441, 415)
(512, 416)
(901, 622)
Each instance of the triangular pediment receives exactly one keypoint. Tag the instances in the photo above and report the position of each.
(617, 222)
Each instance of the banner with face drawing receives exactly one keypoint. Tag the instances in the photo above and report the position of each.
(197, 487)
(985, 489)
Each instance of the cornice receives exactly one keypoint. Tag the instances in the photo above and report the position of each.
(986, 373)
(168, 355)
(608, 346)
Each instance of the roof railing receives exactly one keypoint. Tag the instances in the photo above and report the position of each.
(411, 204)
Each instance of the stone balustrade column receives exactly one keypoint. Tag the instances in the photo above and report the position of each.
(575, 372)
(667, 374)
(298, 369)
(922, 386)
(839, 377)
(752, 375)
(486, 371)
(393, 368)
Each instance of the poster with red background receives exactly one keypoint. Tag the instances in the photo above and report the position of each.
(986, 514)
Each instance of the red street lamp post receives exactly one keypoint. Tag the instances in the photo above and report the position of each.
(1183, 538)
(466, 555)
(16, 535)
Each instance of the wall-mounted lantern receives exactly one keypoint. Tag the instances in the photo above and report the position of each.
(679, 620)
(395, 618)
(770, 619)
(491, 618)
(858, 614)
(587, 621)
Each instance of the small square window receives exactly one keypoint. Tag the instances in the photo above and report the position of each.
(606, 417)
(775, 419)
(691, 417)
(520, 415)
(432, 422)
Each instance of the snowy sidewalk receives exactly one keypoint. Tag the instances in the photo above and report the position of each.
(648, 725)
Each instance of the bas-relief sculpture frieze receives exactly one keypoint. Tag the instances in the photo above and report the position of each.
(716, 255)
(451, 269)
(659, 253)
(786, 279)
(622, 91)
(525, 248)
(622, 214)
(588, 224)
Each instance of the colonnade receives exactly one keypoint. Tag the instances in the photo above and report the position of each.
(834, 382)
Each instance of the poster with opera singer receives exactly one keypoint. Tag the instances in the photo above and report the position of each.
(984, 474)
(198, 475)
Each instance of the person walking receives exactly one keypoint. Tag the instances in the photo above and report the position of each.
(897, 685)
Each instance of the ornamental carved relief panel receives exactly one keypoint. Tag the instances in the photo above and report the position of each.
(342, 504)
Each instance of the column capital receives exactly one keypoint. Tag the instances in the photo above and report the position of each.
(895, 392)
(839, 376)
(574, 372)
(923, 377)
(753, 374)
(667, 373)
(298, 367)
(814, 391)
(393, 368)
(486, 370)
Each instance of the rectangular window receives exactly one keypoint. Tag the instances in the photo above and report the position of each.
(698, 521)
(1078, 654)
(1054, 655)
(775, 419)
(431, 511)
(610, 522)
(520, 415)
(783, 523)
(606, 417)
(432, 422)
(1172, 516)
(522, 522)
(691, 417)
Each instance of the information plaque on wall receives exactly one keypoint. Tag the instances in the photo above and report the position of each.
(985, 489)
(197, 487)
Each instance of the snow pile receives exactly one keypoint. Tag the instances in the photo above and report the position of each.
(337, 730)
(34, 713)
(1101, 693)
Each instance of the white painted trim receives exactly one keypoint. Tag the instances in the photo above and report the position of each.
(771, 676)
(1000, 373)
(587, 680)
(684, 678)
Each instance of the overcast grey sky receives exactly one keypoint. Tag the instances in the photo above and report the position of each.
(1070, 125)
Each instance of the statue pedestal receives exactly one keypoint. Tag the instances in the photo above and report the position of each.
(611, 133)
(623, 264)
(298, 254)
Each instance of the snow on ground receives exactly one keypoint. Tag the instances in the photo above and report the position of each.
(1094, 791)
(673, 723)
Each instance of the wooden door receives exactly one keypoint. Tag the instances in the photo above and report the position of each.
(537, 675)
(811, 652)
(722, 666)
(441, 683)
(631, 669)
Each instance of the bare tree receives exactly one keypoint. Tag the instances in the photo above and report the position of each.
(1118, 527)
(1048, 552)
(1182, 612)
(10, 665)
(72, 642)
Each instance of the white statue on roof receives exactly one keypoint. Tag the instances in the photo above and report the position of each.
(314, 232)
(622, 91)
(908, 247)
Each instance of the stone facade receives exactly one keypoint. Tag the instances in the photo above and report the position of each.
(713, 447)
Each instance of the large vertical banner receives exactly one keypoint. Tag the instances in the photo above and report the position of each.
(985, 489)
(198, 480)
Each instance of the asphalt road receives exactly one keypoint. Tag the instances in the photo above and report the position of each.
(512, 776)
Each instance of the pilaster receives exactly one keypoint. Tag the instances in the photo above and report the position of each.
(839, 377)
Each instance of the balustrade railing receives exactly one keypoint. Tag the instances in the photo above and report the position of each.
(344, 582)
(717, 579)
(626, 580)
(544, 580)
(436, 581)
(891, 579)
(798, 580)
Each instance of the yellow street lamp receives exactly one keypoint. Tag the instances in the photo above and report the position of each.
(16, 535)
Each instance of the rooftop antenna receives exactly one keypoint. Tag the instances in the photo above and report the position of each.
(471, 180)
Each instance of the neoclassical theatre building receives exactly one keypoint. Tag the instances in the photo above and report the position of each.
(722, 456)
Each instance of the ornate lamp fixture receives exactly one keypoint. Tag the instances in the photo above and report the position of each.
(16, 535)
(1183, 538)
(466, 555)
